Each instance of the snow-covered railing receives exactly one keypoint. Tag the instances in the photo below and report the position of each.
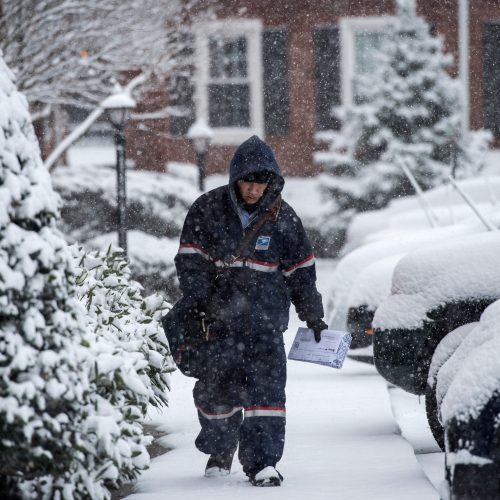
(50, 162)
(489, 226)
(426, 207)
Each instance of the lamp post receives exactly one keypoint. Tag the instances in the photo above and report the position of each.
(200, 135)
(118, 106)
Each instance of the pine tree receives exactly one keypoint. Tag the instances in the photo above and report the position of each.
(408, 115)
(42, 387)
(82, 353)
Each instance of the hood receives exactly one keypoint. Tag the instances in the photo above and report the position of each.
(254, 155)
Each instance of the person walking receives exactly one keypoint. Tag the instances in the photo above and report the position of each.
(241, 287)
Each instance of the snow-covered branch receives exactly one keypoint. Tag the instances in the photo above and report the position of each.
(72, 51)
(72, 138)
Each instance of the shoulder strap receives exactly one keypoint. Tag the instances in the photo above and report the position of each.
(270, 214)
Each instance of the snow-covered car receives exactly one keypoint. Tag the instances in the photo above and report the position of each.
(452, 343)
(362, 279)
(370, 287)
(468, 399)
(356, 288)
(354, 263)
(434, 291)
(405, 215)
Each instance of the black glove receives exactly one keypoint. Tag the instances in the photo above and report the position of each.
(198, 309)
(198, 320)
(317, 326)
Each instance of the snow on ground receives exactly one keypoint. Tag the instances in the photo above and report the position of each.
(92, 151)
(342, 441)
(409, 412)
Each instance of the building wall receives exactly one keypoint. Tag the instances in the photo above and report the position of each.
(153, 148)
(293, 151)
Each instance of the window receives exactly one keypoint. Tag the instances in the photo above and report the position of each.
(327, 92)
(229, 80)
(361, 37)
(228, 88)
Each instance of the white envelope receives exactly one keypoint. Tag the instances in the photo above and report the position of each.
(331, 351)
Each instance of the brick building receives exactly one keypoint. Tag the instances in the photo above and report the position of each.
(275, 68)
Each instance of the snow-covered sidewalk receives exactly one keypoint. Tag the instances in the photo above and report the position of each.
(342, 442)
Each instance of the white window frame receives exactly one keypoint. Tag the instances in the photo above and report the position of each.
(252, 30)
(349, 26)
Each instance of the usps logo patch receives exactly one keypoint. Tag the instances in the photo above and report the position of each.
(263, 243)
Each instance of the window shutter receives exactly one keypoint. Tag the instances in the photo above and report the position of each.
(326, 76)
(491, 77)
(181, 93)
(276, 86)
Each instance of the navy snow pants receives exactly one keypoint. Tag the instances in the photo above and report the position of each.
(241, 399)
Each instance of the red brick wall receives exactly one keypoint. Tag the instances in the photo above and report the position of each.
(152, 149)
(293, 151)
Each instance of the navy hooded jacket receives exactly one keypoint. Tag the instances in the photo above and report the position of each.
(252, 294)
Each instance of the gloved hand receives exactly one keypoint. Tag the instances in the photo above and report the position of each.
(198, 320)
(317, 326)
(198, 309)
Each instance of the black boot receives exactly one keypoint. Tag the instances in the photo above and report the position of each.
(219, 464)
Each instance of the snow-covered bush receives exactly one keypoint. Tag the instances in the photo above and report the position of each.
(151, 260)
(156, 206)
(82, 354)
(43, 389)
(156, 202)
(118, 312)
(407, 117)
(128, 365)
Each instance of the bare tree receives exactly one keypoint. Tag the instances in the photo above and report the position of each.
(70, 52)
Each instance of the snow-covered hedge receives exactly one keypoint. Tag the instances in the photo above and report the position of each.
(118, 312)
(82, 353)
(151, 260)
(42, 388)
(157, 202)
(128, 363)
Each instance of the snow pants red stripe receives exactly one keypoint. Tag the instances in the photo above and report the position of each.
(241, 400)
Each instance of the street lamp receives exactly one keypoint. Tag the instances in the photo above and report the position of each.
(200, 135)
(118, 106)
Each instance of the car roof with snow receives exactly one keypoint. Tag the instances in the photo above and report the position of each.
(467, 267)
(352, 264)
(373, 283)
(406, 214)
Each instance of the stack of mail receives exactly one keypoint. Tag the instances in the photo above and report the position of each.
(331, 351)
